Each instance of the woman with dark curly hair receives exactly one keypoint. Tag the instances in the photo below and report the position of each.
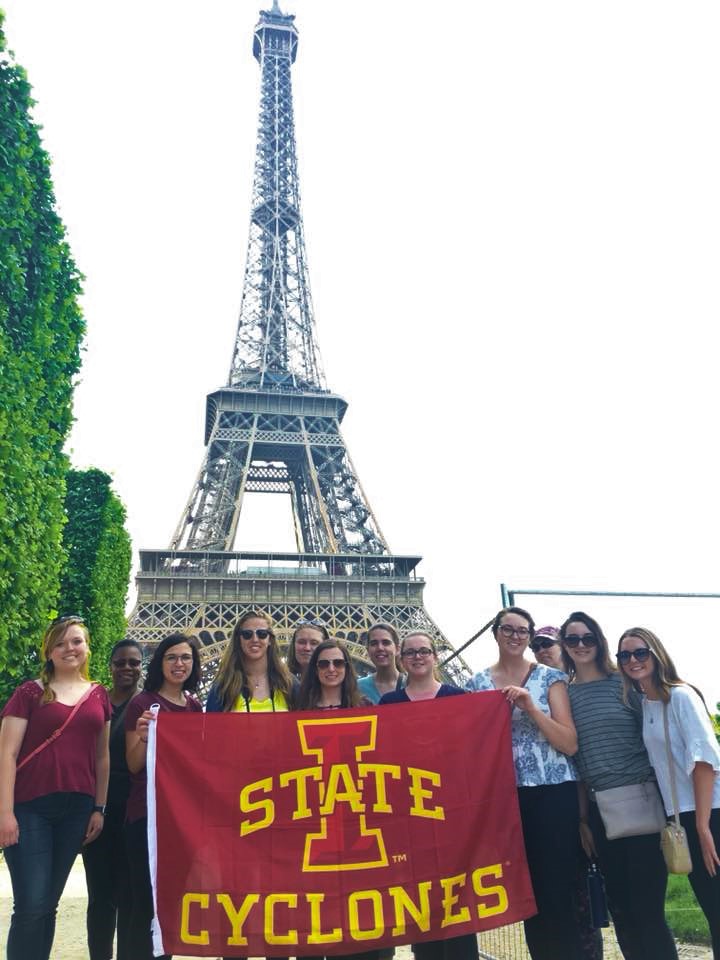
(172, 678)
(543, 740)
(611, 755)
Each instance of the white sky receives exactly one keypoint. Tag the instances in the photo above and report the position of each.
(511, 215)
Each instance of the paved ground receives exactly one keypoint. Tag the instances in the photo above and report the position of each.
(505, 943)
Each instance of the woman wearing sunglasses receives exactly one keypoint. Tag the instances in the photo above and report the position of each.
(252, 678)
(543, 739)
(54, 765)
(611, 755)
(694, 754)
(173, 675)
(419, 657)
(306, 636)
(329, 683)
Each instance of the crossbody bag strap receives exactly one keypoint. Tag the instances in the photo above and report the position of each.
(671, 766)
(528, 674)
(56, 733)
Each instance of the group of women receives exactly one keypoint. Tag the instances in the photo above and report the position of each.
(580, 725)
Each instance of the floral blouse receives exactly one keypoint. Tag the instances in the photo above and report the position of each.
(537, 762)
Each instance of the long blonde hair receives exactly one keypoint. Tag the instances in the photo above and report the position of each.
(53, 636)
(665, 676)
(231, 681)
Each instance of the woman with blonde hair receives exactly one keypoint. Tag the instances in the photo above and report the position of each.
(306, 636)
(54, 768)
(252, 678)
(671, 704)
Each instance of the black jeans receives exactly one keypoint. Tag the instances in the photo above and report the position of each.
(635, 883)
(456, 948)
(140, 941)
(705, 887)
(52, 829)
(550, 828)
(107, 874)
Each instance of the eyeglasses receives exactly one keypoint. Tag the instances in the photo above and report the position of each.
(543, 644)
(641, 654)
(132, 662)
(522, 633)
(417, 652)
(324, 664)
(587, 640)
(261, 634)
(178, 657)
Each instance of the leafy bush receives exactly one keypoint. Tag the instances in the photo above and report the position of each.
(95, 579)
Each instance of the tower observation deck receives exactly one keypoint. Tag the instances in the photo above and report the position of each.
(274, 428)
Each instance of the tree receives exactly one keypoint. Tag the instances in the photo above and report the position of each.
(95, 579)
(41, 328)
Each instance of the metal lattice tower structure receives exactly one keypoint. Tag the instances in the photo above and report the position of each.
(275, 428)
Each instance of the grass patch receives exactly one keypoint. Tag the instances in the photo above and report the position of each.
(684, 916)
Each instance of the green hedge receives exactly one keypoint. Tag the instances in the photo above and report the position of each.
(95, 580)
(41, 328)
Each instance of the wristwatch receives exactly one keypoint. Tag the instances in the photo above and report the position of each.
(99, 808)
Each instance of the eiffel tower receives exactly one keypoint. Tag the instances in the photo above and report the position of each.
(275, 429)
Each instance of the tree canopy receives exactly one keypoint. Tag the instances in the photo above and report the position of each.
(41, 329)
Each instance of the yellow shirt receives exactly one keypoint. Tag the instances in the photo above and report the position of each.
(278, 704)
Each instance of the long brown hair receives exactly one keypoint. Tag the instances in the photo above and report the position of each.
(53, 636)
(602, 651)
(310, 688)
(231, 681)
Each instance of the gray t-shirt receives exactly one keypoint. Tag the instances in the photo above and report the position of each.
(611, 752)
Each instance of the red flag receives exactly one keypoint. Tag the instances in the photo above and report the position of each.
(335, 832)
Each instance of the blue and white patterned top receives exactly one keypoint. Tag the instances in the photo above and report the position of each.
(537, 762)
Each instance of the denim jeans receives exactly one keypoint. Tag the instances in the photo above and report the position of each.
(52, 829)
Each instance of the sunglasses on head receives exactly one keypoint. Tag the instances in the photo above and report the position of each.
(325, 664)
(261, 634)
(587, 640)
(127, 662)
(310, 623)
(67, 618)
(641, 654)
(543, 644)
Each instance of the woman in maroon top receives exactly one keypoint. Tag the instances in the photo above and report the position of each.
(54, 766)
(173, 671)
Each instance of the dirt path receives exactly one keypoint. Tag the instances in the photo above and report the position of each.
(505, 943)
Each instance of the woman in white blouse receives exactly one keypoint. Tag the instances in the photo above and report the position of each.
(695, 756)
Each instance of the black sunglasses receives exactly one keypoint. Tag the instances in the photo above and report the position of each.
(67, 618)
(261, 634)
(543, 644)
(641, 655)
(324, 664)
(589, 640)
